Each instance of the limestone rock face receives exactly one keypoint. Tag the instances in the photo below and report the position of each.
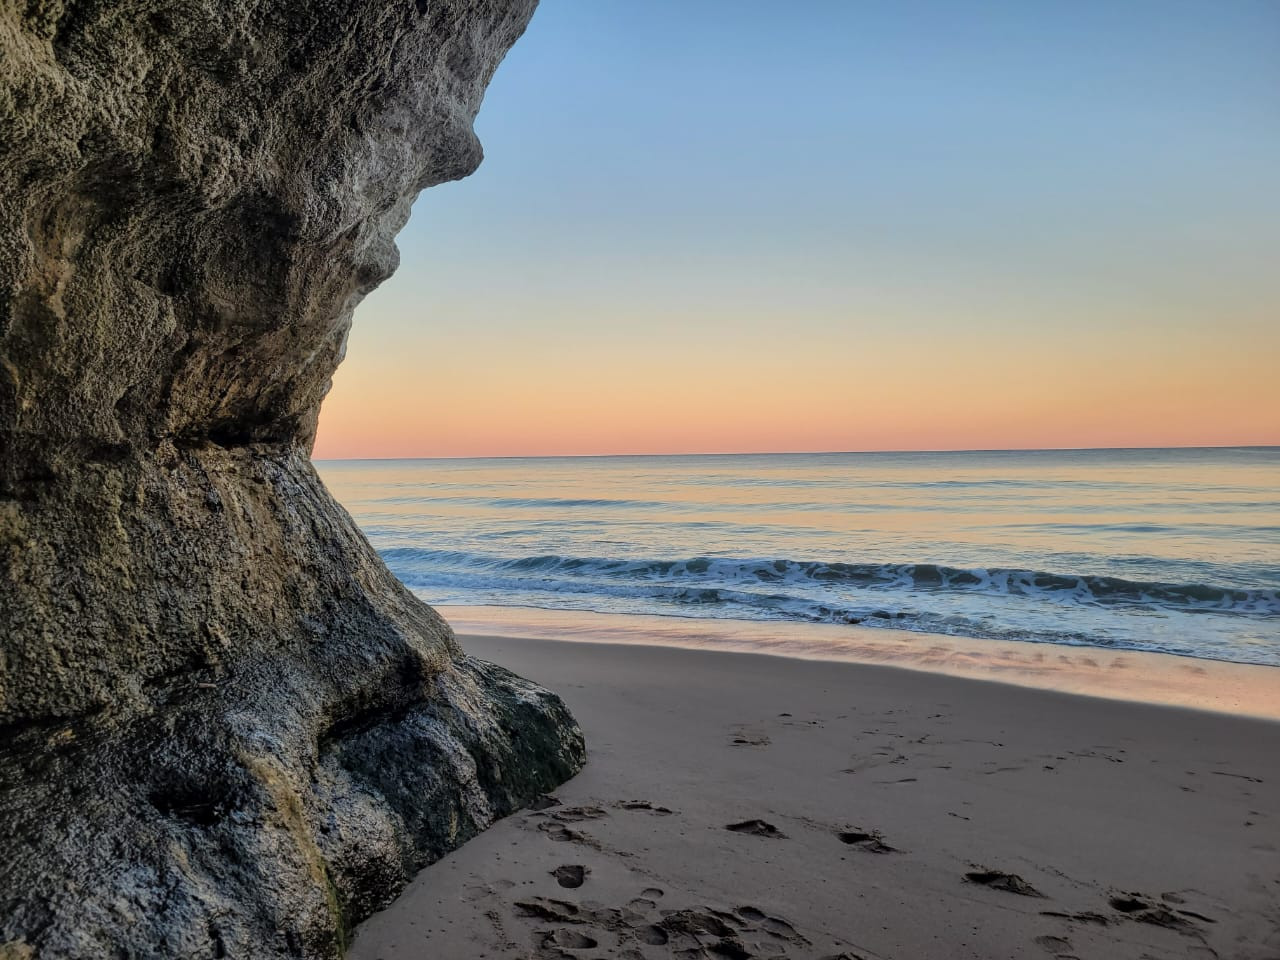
(225, 728)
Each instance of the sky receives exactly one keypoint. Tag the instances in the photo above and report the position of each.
(709, 226)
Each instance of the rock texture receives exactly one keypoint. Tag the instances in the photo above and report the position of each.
(226, 730)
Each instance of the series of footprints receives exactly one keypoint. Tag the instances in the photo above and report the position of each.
(699, 933)
(567, 929)
(1165, 912)
(555, 825)
(747, 932)
(554, 820)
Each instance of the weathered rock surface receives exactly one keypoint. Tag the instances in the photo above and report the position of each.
(225, 728)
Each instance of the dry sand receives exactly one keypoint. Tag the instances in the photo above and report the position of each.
(738, 805)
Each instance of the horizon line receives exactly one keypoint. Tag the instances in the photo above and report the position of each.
(803, 453)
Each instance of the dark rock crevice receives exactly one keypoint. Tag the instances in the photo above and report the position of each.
(227, 729)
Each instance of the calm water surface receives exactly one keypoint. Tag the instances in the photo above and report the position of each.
(1166, 550)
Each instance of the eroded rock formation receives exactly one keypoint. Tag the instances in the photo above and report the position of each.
(225, 728)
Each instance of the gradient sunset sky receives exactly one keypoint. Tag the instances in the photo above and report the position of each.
(705, 226)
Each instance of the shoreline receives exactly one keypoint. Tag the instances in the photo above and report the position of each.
(757, 806)
(1131, 676)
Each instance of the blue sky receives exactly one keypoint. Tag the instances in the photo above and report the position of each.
(1044, 179)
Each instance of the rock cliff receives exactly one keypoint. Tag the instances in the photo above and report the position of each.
(226, 730)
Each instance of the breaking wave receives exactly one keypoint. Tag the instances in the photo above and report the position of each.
(976, 601)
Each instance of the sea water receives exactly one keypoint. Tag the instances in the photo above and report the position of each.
(1176, 550)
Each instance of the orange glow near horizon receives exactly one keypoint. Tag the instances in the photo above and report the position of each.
(664, 392)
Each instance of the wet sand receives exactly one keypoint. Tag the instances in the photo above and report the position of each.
(1129, 675)
(741, 805)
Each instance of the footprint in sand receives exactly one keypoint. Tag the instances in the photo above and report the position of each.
(558, 831)
(871, 842)
(653, 935)
(563, 834)
(757, 828)
(646, 806)
(695, 933)
(773, 925)
(1137, 906)
(570, 875)
(696, 924)
(576, 814)
(543, 908)
(999, 880)
(570, 939)
(647, 902)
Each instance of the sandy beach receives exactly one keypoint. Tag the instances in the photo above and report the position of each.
(741, 805)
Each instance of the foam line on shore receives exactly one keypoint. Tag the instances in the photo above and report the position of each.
(1141, 677)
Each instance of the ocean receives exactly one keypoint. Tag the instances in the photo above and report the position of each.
(1166, 550)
